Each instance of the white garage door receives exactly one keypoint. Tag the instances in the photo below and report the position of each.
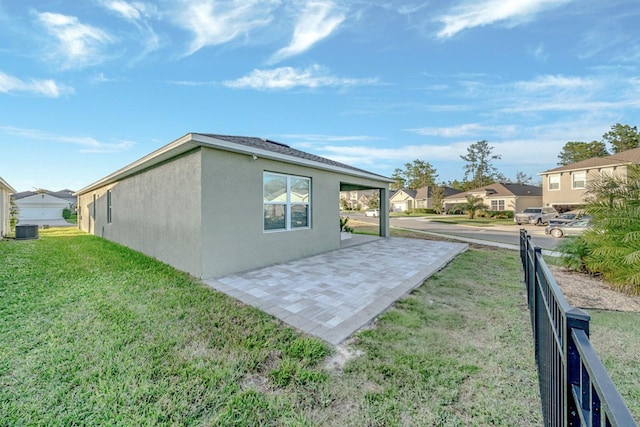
(30, 214)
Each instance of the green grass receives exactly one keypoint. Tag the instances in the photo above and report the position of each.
(616, 338)
(93, 333)
(476, 222)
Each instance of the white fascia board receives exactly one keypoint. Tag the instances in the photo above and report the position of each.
(266, 154)
(5, 184)
(618, 163)
(190, 141)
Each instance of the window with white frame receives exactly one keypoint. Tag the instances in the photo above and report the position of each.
(578, 180)
(606, 173)
(286, 201)
(108, 206)
(554, 182)
(497, 205)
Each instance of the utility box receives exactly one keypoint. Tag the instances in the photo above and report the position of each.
(26, 232)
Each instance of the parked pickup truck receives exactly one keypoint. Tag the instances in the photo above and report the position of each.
(537, 216)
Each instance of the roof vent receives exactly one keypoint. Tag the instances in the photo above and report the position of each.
(275, 142)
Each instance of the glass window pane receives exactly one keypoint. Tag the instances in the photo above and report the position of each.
(299, 216)
(275, 217)
(299, 190)
(275, 188)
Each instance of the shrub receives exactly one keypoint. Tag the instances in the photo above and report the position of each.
(66, 213)
(499, 214)
(612, 246)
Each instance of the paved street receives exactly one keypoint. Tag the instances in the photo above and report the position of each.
(508, 234)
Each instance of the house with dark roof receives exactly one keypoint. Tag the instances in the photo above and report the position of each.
(43, 206)
(213, 205)
(500, 197)
(564, 187)
(5, 207)
(407, 199)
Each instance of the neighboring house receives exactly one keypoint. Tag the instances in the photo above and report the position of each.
(5, 207)
(564, 187)
(39, 207)
(180, 204)
(356, 199)
(500, 197)
(67, 195)
(403, 200)
(407, 199)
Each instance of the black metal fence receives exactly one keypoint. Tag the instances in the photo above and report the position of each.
(575, 388)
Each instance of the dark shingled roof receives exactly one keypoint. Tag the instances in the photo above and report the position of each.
(280, 148)
(498, 189)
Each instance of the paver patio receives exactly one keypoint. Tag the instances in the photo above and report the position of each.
(334, 294)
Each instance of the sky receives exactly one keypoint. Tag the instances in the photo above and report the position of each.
(88, 87)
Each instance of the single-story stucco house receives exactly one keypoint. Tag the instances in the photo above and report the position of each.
(213, 205)
(39, 207)
(498, 196)
(5, 207)
(407, 199)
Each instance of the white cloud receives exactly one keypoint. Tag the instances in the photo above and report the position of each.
(471, 14)
(88, 144)
(287, 77)
(78, 45)
(133, 11)
(555, 82)
(137, 13)
(216, 22)
(317, 20)
(467, 129)
(50, 88)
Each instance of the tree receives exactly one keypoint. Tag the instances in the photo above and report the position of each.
(479, 166)
(577, 151)
(622, 137)
(373, 201)
(523, 178)
(456, 185)
(471, 205)
(415, 175)
(398, 176)
(437, 196)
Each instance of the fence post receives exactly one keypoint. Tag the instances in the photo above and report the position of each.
(576, 319)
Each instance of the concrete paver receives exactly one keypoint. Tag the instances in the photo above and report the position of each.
(334, 294)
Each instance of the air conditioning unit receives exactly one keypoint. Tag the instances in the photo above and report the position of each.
(26, 232)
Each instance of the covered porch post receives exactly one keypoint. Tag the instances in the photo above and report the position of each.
(384, 212)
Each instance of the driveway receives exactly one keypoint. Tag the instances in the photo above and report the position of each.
(48, 222)
(334, 294)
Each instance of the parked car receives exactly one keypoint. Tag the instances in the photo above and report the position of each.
(566, 217)
(537, 216)
(372, 212)
(573, 228)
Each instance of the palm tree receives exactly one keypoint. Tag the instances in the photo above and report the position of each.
(472, 205)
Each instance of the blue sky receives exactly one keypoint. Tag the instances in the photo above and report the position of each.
(87, 87)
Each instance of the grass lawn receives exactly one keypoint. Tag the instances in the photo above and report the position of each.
(93, 333)
(476, 222)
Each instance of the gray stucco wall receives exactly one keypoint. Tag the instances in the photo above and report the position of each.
(156, 212)
(203, 213)
(232, 214)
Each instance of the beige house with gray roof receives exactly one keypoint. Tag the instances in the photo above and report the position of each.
(564, 187)
(213, 205)
(500, 197)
